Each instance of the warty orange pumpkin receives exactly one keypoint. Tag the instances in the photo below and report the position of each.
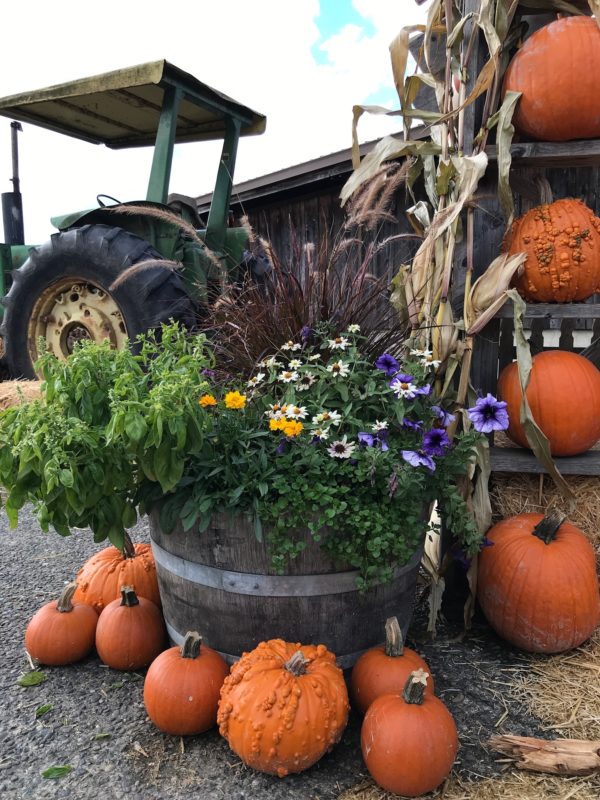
(385, 668)
(100, 579)
(537, 583)
(283, 706)
(130, 632)
(182, 686)
(409, 739)
(562, 242)
(557, 72)
(61, 631)
(564, 397)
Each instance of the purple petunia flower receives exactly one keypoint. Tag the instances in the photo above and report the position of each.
(306, 333)
(282, 447)
(435, 442)
(374, 439)
(409, 425)
(489, 414)
(210, 373)
(418, 459)
(444, 417)
(388, 364)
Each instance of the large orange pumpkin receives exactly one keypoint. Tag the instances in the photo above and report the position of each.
(537, 583)
(182, 686)
(409, 739)
(562, 242)
(100, 579)
(130, 632)
(557, 72)
(385, 668)
(61, 631)
(283, 706)
(564, 397)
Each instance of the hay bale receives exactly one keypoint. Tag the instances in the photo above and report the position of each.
(13, 393)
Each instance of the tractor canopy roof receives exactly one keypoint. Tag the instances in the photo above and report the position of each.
(123, 108)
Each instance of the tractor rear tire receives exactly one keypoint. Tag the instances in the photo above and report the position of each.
(62, 292)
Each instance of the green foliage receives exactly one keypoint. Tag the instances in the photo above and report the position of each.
(33, 678)
(108, 422)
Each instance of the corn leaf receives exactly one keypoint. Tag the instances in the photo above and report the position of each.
(537, 440)
(386, 149)
(489, 292)
(595, 9)
(504, 137)
(399, 53)
(485, 22)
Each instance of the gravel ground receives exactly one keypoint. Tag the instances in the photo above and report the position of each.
(97, 724)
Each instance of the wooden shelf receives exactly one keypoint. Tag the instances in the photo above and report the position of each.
(513, 459)
(554, 311)
(552, 155)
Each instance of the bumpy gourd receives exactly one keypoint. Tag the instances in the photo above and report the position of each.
(557, 72)
(537, 584)
(385, 668)
(562, 242)
(283, 706)
(100, 579)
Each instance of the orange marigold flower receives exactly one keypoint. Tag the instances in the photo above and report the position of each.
(292, 428)
(207, 400)
(235, 400)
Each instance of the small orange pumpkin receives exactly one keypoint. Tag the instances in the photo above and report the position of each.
(283, 706)
(557, 72)
(100, 579)
(182, 686)
(409, 739)
(537, 584)
(130, 632)
(559, 382)
(562, 242)
(61, 631)
(385, 668)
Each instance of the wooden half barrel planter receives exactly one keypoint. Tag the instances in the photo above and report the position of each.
(221, 582)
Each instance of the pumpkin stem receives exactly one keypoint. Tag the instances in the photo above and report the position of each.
(128, 596)
(64, 603)
(191, 645)
(415, 687)
(128, 548)
(547, 528)
(297, 663)
(394, 645)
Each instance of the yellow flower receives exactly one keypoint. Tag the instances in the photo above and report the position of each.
(235, 400)
(207, 400)
(292, 428)
(276, 424)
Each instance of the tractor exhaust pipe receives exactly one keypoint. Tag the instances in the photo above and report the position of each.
(12, 203)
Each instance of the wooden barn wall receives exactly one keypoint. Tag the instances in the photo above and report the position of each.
(313, 214)
(310, 217)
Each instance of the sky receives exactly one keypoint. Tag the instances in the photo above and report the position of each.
(302, 63)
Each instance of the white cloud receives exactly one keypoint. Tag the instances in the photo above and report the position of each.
(259, 53)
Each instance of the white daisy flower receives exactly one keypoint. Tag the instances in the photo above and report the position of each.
(354, 328)
(289, 345)
(270, 362)
(314, 357)
(404, 389)
(275, 411)
(296, 412)
(379, 426)
(331, 417)
(288, 376)
(339, 343)
(295, 363)
(305, 382)
(426, 358)
(339, 368)
(256, 380)
(321, 433)
(342, 448)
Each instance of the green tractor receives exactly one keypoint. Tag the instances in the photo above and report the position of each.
(64, 290)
